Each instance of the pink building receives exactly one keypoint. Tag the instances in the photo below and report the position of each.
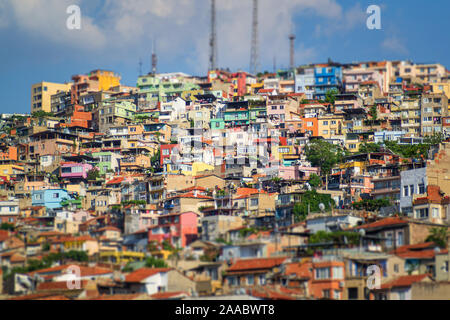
(75, 170)
(296, 172)
(354, 77)
(179, 229)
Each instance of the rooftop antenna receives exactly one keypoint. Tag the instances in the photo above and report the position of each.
(254, 56)
(213, 38)
(154, 58)
(292, 48)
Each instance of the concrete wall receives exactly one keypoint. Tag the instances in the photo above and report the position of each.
(179, 282)
(430, 291)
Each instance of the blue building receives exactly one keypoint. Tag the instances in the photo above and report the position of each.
(412, 182)
(327, 78)
(51, 199)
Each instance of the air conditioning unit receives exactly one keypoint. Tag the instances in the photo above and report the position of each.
(341, 284)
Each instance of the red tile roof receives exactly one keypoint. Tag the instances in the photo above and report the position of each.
(256, 264)
(143, 273)
(169, 295)
(115, 181)
(58, 286)
(405, 281)
(120, 297)
(391, 221)
(423, 254)
(417, 246)
(84, 271)
(3, 235)
(269, 294)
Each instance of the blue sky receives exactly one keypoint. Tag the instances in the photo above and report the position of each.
(115, 34)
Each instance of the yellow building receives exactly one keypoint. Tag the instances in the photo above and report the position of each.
(121, 257)
(442, 87)
(191, 169)
(190, 94)
(330, 125)
(358, 167)
(106, 79)
(41, 94)
(279, 152)
(9, 170)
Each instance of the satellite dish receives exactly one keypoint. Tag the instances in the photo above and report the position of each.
(322, 207)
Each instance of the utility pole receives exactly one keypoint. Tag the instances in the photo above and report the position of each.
(254, 55)
(213, 38)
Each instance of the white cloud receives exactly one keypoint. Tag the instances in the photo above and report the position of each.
(393, 44)
(181, 27)
(47, 19)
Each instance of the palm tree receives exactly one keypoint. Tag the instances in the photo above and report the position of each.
(439, 236)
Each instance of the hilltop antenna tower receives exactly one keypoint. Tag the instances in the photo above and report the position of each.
(213, 38)
(254, 55)
(154, 58)
(140, 66)
(292, 50)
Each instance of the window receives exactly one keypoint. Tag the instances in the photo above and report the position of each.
(352, 293)
(337, 295)
(325, 131)
(338, 273)
(11, 209)
(402, 295)
(254, 202)
(262, 279)
(396, 268)
(421, 188)
(309, 124)
(399, 238)
(325, 123)
(411, 189)
(389, 237)
(55, 195)
(250, 280)
(274, 107)
(405, 191)
(326, 294)
(422, 213)
(333, 122)
(322, 273)
(435, 213)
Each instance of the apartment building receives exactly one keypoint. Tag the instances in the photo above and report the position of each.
(41, 94)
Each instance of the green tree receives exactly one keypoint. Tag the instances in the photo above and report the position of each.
(439, 236)
(330, 96)
(93, 174)
(315, 181)
(371, 204)
(369, 147)
(324, 155)
(335, 237)
(7, 226)
(42, 114)
(373, 112)
(310, 201)
(153, 262)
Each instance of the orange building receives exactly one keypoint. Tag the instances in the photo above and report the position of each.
(328, 279)
(311, 126)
